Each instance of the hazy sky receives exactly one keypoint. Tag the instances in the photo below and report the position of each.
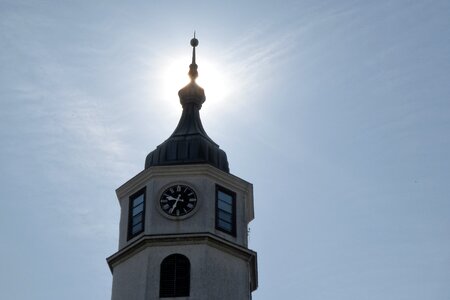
(337, 111)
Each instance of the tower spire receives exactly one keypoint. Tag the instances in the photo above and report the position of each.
(189, 143)
(192, 93)
(193, 73)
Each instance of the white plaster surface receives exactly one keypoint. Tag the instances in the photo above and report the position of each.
(216, 272)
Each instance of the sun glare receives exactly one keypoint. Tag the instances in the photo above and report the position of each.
(211, 79)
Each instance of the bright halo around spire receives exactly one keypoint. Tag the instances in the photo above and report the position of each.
(215, 83)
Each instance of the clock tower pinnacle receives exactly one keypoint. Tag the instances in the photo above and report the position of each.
(189, 143)
(184, 219)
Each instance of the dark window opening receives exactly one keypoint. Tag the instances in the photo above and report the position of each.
(225, 210)
(136, 214)
(175, 276)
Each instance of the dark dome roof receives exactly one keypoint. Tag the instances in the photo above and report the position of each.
(189, 143)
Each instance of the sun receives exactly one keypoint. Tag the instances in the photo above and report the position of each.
(215, 82)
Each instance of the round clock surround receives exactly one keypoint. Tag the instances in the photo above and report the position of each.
(177, 201)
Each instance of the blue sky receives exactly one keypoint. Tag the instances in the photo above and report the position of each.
(337, 111)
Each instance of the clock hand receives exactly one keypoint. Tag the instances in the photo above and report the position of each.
(175, 204)
(170, 198)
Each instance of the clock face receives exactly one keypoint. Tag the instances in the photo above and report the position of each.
(178, 200)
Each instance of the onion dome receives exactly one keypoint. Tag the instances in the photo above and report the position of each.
(189, 143)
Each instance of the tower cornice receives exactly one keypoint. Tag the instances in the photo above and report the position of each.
(205, 238)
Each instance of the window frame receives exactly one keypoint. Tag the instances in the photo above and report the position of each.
(231, 232)
(130, 213)
(175, 289)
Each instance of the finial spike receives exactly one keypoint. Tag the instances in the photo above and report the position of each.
(193, 67)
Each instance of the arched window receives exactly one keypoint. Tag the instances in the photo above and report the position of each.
(175, 276)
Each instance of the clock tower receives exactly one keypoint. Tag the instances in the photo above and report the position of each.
(184, 219)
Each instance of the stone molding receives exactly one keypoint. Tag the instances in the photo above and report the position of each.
(187, 239)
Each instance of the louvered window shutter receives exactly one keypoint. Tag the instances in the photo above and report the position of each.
(175, 276)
